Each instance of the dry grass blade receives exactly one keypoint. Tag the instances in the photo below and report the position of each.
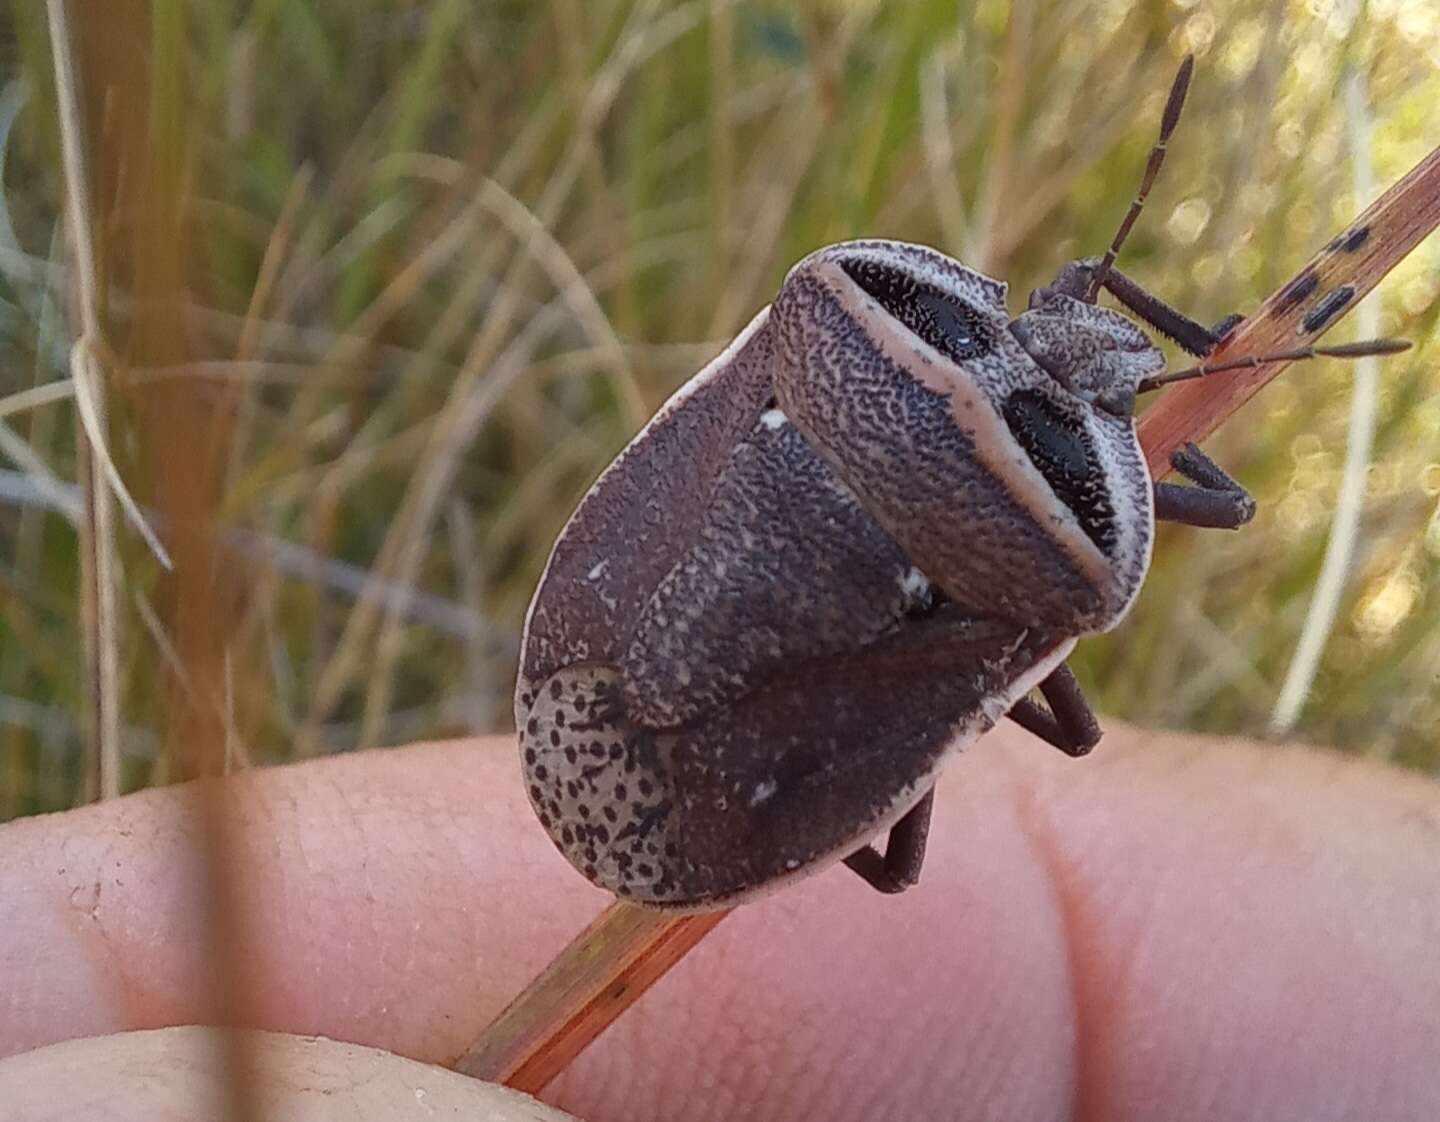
(609, 965)
(1340, 549)
(99, 563)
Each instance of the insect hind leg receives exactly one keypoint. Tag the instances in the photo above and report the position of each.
(1070, 723)
(899, 867)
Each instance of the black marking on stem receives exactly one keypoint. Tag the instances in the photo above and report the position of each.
(1295, 292)
(1328, 308)
(1350, 240)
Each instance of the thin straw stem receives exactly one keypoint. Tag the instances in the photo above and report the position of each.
(99, 559)
(1350, 502)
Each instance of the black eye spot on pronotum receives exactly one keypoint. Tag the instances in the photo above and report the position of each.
(943, 321)
(1067, 460)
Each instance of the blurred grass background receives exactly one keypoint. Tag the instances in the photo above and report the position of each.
(385, 285)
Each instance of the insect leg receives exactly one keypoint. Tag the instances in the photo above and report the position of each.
(1193, 337)
(1069, 725)
(1227, 325)
(899, 869)
(1215, 502)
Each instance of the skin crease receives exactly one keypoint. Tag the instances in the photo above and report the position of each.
(1173, 928)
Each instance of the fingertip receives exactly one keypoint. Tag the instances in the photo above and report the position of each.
(1171, 921)
(187, 1074)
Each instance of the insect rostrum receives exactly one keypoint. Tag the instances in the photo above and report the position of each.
(838, 555)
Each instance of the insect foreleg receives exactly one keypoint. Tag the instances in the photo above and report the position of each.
(1192, 336)
(1227, 325)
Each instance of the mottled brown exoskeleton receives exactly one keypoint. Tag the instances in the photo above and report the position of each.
(841, 552)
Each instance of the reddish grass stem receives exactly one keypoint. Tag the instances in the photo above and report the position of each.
(592, 981)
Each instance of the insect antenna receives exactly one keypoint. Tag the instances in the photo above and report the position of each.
(1343, 350)
(1171, 118)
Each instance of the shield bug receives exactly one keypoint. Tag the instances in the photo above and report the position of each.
(839, 554)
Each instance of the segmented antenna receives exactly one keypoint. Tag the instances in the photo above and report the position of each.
(1173, 105)
(1343, 350)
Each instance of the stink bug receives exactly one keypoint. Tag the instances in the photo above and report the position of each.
(839, 554)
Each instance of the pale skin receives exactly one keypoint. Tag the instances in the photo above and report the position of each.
(1173, 928)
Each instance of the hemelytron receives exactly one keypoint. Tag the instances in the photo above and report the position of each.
(840, 553)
